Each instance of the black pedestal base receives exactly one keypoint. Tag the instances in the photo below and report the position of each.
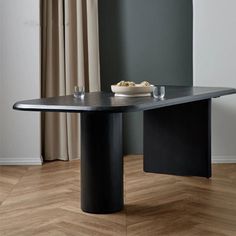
(177, 139)
(101, 162)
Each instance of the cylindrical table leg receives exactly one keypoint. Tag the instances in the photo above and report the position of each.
(101, 162)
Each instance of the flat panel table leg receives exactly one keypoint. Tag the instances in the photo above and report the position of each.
(101, 162)
(177, 139)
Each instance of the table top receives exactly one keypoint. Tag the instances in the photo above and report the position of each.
(107, 102)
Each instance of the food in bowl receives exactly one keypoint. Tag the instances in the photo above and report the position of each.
(124, 83)
(145, 83)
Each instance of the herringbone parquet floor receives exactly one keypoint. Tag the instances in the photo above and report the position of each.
(46, 201)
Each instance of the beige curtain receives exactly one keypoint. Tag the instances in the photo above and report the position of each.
(70, 56)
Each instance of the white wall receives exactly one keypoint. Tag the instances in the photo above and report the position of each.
(215, 65)
(1, 85)
(19, 80)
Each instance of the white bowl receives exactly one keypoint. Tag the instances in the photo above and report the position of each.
(131, 90)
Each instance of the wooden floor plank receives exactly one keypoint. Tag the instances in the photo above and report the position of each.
(45, 200)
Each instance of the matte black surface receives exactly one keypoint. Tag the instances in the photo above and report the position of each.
(101, 162)
(145, 40)
(106, 102)
(177, 139)
(179, 132)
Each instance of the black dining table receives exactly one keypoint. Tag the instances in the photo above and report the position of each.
(177, 137)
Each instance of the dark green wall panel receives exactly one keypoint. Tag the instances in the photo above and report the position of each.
(144, 40)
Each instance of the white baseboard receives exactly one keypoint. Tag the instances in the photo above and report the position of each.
(39, 160)
(20, 161)
(223, 159)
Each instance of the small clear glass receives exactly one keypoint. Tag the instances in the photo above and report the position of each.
(79, 92)
(159, 91)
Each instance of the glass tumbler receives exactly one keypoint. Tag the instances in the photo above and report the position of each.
(79, 92)
(159, 91)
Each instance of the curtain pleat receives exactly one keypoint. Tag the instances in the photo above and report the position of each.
(93, 42)
(69, 57)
